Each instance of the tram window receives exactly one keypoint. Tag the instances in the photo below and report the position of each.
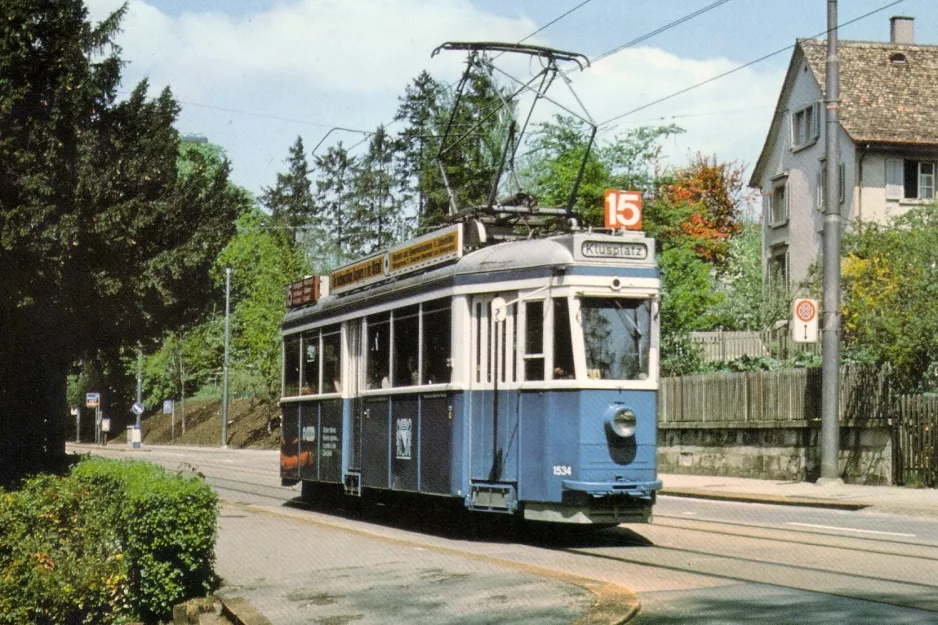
(379, 351)
(616, 334)
(563, 345)
(406, 346)
(291, 366)
(534, 341)
(331, 360)
(437, 330)
(310, 370)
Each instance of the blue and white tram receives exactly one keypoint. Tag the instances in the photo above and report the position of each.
(519, 377)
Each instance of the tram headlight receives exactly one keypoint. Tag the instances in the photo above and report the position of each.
(622, 422)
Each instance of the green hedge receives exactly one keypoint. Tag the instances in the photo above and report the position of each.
(111, 542)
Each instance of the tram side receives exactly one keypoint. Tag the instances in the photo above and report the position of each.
(520, 379)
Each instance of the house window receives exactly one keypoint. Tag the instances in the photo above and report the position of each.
(805, 126)
(777, 205)
(821, 183)
(778, 269)
(910, 179)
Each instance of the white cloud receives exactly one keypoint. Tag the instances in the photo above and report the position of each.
(341, 62)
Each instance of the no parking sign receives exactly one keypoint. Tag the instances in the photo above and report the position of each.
(804, 320)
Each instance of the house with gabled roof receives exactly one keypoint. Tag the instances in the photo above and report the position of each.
(888, 144)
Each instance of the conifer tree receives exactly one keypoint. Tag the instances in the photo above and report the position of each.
(102, 242)
(290, 200)
(334, 197)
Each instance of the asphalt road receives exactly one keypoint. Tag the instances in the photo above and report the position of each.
(699, 562)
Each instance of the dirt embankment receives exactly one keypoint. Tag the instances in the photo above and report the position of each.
(248, 425)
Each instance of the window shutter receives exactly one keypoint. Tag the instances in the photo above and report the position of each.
(842, 182)
(787, 270)
(816, 120)
(787, 202)
(894, 179)
(767, 206)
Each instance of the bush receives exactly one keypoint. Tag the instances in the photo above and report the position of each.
(113, 541)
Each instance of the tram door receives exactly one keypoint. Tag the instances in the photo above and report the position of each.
(353, 377)
(493, 397)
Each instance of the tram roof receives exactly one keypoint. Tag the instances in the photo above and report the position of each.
(529, 258)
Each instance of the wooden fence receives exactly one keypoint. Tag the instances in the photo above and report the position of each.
(915, 442)
(726, 346)
(794, 395)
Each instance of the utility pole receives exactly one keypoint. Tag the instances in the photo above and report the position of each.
(224, 392)
(830, 364)
(139, 381)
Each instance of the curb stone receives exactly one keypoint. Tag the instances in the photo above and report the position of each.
(240, 612)
(776, 500)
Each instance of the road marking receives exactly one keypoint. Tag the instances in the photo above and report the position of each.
(851, 529)
(690, 513)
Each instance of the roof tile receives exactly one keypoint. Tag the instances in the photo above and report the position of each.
(883, 99)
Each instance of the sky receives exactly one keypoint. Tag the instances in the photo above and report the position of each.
(252, 75)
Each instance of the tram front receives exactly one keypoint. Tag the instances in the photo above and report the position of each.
(598, 441)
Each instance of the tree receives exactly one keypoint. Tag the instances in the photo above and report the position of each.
(890, 283)
(556, 151)
(743, 304)
(709, 199)
(421, 110)
(262, 265)
(290, 201)
(334, 196)
(102, 243)
(377, 220)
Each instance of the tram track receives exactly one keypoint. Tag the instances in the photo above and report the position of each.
(927, 602)
(831, 540)
(909, 589)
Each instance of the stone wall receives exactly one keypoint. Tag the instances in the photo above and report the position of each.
(775, 450)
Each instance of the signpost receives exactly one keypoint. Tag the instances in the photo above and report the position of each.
(169, 407)
(804, 320)
(137, 409)
(93, 400)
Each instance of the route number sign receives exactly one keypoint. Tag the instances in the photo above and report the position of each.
(804, 320)
(623, 209)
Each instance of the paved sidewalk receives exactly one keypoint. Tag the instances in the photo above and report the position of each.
(283, 567)
(893, 499)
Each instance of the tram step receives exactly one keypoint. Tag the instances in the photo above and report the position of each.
(493, 497)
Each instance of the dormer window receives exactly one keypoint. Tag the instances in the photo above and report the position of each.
(806, 126)
(897, 59)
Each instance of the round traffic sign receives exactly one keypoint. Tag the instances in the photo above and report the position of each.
(137, 408)
(805, 310)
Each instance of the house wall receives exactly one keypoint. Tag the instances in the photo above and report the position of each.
(801, 232)
(871, 204)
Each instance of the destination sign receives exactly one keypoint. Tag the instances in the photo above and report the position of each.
(357, 274)
(431, 249)
(303, 292)
(614, 249)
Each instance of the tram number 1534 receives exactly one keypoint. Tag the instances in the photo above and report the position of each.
(563, 470)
